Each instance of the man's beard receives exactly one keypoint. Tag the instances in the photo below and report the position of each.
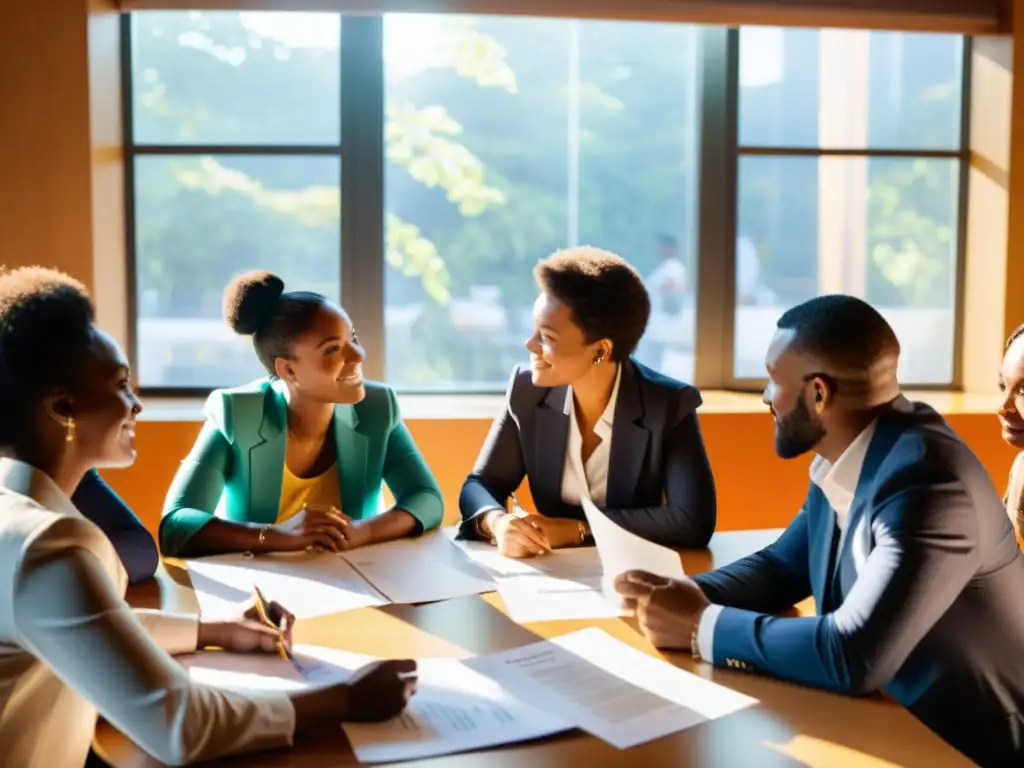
(796, 433)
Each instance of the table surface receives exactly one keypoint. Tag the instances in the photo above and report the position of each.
(789, 726)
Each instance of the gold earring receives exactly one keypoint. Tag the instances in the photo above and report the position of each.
(819, 407)
(70, 436)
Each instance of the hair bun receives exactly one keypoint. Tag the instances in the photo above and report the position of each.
(249, 300)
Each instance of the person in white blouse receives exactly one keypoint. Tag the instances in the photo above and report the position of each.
(70, 647)
(586, 421)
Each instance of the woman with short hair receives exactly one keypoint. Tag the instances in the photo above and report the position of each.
(587, 421)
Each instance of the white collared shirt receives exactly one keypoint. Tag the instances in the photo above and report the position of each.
(838, 482)
(70, 646)
(590, 481)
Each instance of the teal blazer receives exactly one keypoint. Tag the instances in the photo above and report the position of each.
(236, 465)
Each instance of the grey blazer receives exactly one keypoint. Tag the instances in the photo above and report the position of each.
(660, 484)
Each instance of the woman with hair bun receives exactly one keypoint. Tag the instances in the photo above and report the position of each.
(298, 457)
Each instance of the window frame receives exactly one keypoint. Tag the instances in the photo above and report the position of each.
(362, 252)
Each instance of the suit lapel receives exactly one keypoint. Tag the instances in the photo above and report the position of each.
(890, 426)
(350, 447)
(629, 442)
(822, 548)
(550, 437)
(266, 459)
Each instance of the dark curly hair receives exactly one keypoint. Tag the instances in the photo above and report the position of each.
(604, 292)
(256, 304)
(46, 335)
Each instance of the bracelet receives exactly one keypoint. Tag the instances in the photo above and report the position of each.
(582, 531)
(694, 645)
(262, 539)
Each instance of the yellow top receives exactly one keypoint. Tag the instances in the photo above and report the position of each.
(298, 492)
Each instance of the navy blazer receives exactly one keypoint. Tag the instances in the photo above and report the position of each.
(98, 502)
(923, 600)
(660, 484)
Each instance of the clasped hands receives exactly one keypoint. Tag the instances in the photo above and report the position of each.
(322, 526)
(667, 610)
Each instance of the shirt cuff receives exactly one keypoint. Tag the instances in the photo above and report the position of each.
(706, 632)
(175, 633)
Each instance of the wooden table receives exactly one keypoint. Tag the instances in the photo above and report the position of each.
(790, 725)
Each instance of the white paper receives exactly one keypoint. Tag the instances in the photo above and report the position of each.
(310, 667)
(565, 584)
(308, 584)
(454, 710)
(419, 570)
(621, 550)
(609, 689)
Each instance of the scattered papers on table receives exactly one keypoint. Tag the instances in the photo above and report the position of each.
(310, 667)
(307, 584)
(310, 584)
(565, 584)
(454, 710)
(609, 689)
(420, 570)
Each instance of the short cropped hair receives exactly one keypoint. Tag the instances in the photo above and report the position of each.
(1013, 337)
(843, 331)
(46, 334)
(604, 292)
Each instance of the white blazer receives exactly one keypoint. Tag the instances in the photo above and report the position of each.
(71, 647)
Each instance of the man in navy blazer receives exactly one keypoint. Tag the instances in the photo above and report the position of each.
(903, 542)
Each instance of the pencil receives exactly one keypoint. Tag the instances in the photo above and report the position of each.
(263, 612)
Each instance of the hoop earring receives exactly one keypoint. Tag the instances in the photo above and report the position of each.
(70, 435)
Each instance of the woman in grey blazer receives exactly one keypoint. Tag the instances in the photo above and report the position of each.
(586, 420)
(1011, 419)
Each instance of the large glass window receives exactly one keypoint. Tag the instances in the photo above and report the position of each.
(236, 166)
(849, 182)
(507, 138)
(510, 138)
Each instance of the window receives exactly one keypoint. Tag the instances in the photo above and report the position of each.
(849, 182)
(463, 149)
(236, 166)
(510, 138)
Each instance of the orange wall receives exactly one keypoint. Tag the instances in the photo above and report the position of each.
(755, 488)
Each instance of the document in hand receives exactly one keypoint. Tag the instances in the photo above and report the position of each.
(308, 584)
(621, 551)
(607, 688)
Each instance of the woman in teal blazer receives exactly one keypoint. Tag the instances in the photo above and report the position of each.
(297, 459)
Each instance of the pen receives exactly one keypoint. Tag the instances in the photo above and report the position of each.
(263, 612)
